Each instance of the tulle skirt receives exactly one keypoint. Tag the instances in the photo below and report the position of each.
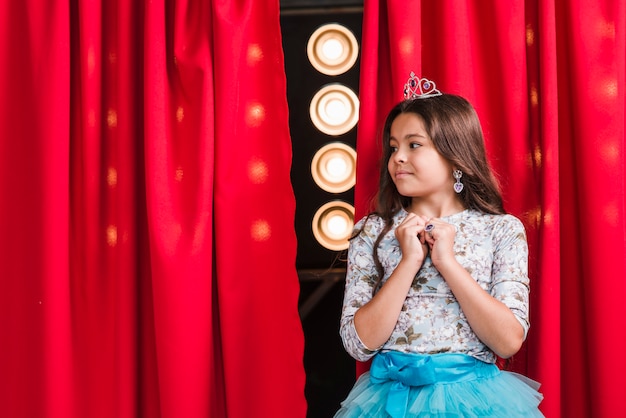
(450, 385)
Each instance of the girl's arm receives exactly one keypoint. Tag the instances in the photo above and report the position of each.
(376, 320)
(492, 320)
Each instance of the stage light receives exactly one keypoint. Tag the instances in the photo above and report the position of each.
(332, 49)
(334, 167)
(332, 225)
(334, 109)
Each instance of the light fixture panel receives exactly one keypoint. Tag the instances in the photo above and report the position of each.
(332, 225)
(334, 109)
(332, 49)
(333, 167)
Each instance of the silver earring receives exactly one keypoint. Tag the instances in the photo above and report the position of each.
(458, 186)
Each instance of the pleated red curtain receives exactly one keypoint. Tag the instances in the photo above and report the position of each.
(148, 251)
(35, 309)
(591, 48)
(547, 80)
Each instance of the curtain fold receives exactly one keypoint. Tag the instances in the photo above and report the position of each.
(149, 259)
(547, 81)
(591, 52)
(262, 338)
(34, 142)
(544, 343)
(177, 93)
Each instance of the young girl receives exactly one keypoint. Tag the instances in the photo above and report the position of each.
(437, 282)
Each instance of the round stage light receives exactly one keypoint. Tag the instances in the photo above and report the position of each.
(334, 109)
(332, 49)
(334, 167)
(332, 225)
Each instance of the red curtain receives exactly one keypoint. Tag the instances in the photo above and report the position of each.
(148, 249)
(547, 79)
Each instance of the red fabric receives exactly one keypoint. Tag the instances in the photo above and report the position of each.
(591, 40)
(35, 306)
(547, 80)
(148, 252)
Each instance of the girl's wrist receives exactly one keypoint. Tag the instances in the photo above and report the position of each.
(411, 263)
(447, 265)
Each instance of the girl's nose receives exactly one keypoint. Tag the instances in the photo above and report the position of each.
(399, 156)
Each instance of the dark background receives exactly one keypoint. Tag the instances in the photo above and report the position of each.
(329, 369)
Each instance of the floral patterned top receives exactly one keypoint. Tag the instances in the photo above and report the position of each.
(492, 248)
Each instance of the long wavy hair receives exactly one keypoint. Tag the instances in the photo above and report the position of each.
(454, 128)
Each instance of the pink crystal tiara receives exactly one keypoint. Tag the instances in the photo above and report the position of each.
(417, 88)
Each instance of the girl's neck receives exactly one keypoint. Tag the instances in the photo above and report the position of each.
(435, 210)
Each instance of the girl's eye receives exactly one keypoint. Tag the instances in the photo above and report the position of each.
(393, 149)
(415, 145)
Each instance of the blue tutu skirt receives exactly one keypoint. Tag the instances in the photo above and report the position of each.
(401, 385)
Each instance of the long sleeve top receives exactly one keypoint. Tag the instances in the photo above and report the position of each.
(492, 248)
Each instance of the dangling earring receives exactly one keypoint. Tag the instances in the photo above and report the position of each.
(458, 186)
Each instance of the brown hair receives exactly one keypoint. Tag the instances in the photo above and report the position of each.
(454, 128)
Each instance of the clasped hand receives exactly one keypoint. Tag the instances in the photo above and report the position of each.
(416, 243)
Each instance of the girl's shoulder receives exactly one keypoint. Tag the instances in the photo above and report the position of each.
(373, 222)
(502, 223)
(503, 218)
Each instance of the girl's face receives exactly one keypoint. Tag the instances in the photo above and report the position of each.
(415, 165)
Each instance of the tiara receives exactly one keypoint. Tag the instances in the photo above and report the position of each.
(417, 87)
